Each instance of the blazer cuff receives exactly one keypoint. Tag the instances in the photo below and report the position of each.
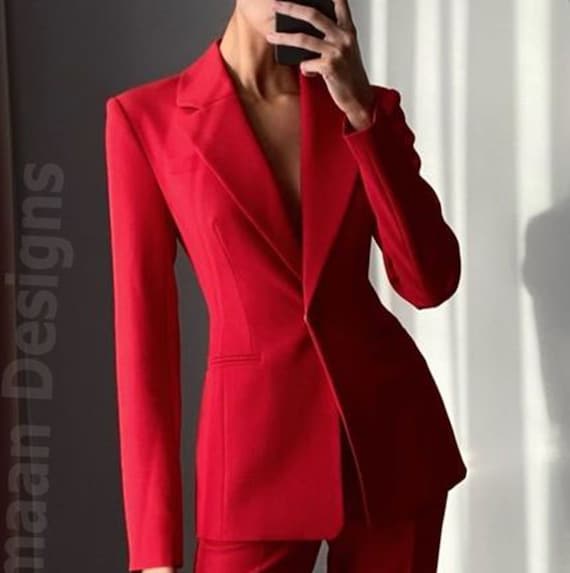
(350, 133)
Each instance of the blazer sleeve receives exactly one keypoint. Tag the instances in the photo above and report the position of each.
(420, 251)
(143, 247)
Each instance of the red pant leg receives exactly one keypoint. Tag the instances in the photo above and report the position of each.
(427, 536)
(407, 546)
(255, 556)
(353, 508)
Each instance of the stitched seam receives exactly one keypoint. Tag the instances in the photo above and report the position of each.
(252, 345)
(213, 272)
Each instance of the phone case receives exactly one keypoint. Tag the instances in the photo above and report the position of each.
(292, 55)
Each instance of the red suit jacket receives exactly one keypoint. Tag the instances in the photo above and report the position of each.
(299, 341)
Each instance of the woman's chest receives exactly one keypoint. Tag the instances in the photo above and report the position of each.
(277, 130)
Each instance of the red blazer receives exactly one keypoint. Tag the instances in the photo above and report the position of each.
(299, 341)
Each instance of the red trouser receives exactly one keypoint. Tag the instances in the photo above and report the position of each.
(409, 547)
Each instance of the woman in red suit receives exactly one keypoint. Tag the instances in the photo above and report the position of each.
(319, 417)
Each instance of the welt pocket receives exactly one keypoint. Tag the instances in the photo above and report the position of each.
(242, 358)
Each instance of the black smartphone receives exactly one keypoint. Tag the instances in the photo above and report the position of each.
(292, 55)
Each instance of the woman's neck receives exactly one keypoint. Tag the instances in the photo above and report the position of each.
(251, 62)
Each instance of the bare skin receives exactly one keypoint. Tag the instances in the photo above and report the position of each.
(270, 92)
(270, 96)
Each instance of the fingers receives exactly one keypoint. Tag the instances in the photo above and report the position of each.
(302, 40)
(343, 15)
(310, 14)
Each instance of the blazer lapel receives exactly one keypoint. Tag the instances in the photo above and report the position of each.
(328, 177)
(219, 129)
(221, 132)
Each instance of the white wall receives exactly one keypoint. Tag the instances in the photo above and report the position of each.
(486, 89)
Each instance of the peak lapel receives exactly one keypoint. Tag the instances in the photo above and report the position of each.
(222, 133)
(329, 174)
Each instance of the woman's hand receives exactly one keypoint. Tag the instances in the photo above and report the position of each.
(159, 570)
(340, 63)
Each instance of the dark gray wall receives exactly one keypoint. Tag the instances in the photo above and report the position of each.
(65, 58)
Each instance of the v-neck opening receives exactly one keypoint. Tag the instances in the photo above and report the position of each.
(296, 231)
